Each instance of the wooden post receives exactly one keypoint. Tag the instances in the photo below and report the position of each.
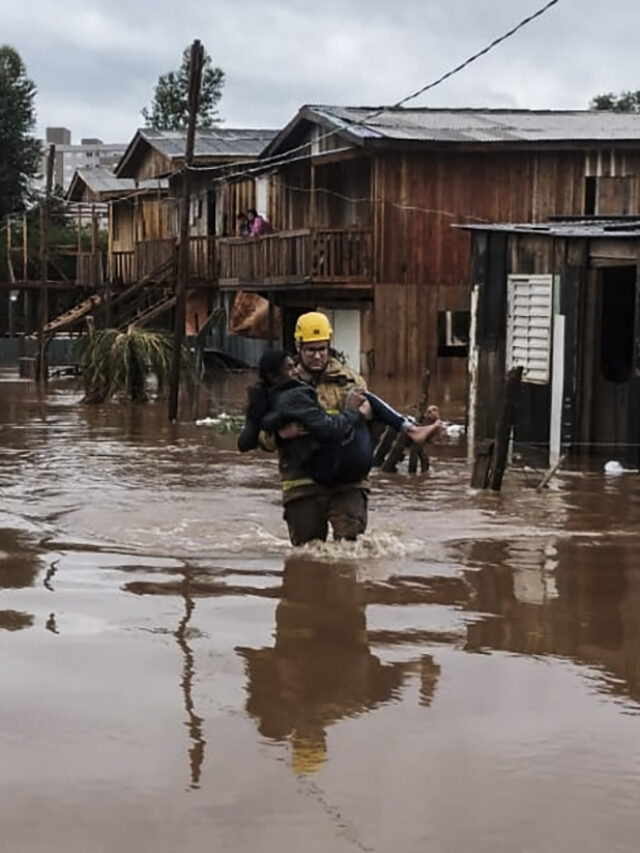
(195, 76)
(12, 277)
(472, 374)
(544, 482)
(43, 313)
(25, 274)
(503, 430)
(396, 453)
(79, 249)
(417, 451)
(482, 464)
(384, 446)
(95, 276)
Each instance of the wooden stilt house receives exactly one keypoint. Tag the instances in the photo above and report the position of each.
(214, 203)
(362, 201)
(562, 300)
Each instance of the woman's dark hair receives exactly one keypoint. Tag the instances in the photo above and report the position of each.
(253, 211)
(270, 365)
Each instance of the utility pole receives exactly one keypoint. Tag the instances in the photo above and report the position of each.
(25, 275)
(195, 77)
(43, 312)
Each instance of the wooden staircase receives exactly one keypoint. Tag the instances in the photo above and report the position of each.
(165, 303)
(163, 273)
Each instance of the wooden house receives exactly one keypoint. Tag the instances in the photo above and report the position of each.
(362, 200)
(214, 203)
(132, 211)
(562, 300)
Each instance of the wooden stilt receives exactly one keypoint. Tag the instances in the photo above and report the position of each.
(503, 430)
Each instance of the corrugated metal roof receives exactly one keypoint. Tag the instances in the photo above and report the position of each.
(101, 180)
(586, 228)
(104, 183)
(482, 125)
(213, 142)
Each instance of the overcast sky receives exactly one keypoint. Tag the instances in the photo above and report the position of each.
(95, 63)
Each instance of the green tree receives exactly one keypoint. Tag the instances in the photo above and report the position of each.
(169, 109)
(20, 152)
(625, 102)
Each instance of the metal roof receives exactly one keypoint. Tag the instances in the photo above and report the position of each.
(210, 142)
(211, 145)
(103, 183)
(587, 228)
(480, 125)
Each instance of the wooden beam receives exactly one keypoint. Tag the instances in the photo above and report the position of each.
(43, 313)
(503, 429)
(12, 276)
(195, 77)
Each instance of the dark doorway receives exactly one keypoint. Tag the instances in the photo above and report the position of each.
(617, 328)
(610, 389)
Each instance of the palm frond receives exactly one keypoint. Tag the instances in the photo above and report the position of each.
(113, 361)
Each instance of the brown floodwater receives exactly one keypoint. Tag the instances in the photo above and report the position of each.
(176, 677)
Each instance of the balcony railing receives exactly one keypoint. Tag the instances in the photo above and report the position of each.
(317, 255)
(151, 255)
(202, 259)
(323, 255)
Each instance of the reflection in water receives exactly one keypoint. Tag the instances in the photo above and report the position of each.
(15, 620)
(49, 576)
(116, 488)
(320, 669)
(194, 722)
(19, 563)
(572, 598)
(51, 624)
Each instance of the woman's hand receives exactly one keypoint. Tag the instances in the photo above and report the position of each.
(292, 430)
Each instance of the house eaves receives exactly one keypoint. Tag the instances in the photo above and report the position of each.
(211, 146)
(473, 128)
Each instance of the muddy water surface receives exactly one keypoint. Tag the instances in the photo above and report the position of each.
(175, 676)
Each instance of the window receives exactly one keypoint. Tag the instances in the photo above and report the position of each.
(529, 311)
(453, 333)
(610, 196)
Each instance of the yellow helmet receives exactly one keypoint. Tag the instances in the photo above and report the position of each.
(308, 754)
(312, 326)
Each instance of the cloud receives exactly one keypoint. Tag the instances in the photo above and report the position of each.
(96, 64)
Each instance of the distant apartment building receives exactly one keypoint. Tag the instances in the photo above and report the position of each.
(69, 157)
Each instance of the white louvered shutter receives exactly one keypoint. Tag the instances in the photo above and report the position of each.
(529, 313)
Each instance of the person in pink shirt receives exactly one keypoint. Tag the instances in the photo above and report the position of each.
(258, 224)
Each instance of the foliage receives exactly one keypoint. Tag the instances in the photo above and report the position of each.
(20, 152)
(625, 102)
(113, 361)
(64, 236)
(169, 109)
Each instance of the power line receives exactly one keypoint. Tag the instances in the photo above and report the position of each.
(410, 208)
(283, 158)
(467, 62)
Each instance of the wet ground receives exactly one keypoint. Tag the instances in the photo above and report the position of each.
(175, 677)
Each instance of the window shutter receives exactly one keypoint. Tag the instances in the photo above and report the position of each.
(529, 313)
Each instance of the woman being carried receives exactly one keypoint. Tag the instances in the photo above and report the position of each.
(336, 448)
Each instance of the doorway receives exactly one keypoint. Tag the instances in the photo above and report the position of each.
(608, 347)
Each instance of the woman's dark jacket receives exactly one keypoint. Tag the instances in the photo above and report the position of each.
(295, 401)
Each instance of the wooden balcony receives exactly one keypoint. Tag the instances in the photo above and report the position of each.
(323, 256)
(307, 255)
(151, 255)
(142, 261)
(202, 259)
